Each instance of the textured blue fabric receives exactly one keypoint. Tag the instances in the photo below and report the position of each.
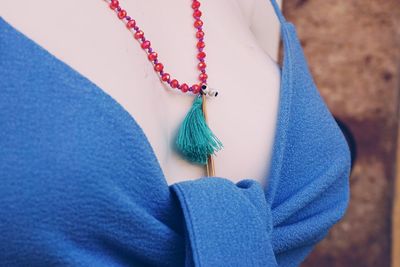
(81, 185)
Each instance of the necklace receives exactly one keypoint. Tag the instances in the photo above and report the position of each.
(194, 141)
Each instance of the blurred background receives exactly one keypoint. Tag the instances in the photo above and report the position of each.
(353, 51)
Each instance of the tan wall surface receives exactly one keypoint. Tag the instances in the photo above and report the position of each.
(353, 50)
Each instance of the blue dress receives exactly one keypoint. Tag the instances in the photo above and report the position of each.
(80, 184)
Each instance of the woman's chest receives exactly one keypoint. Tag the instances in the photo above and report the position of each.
(243, 115)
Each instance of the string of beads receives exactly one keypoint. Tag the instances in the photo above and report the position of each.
(153, 56)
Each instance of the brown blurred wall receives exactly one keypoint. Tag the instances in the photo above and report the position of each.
(353, 50)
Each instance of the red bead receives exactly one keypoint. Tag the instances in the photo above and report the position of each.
(199, 34)
(201, 44)
(152, 56)
(145, 44)
(114, 4)
(159, 67)
(203, 76)
(122, 14)
(184, 87)
(195, 88)
(174, 83)
(195, 4)
(165, 77)
(198, 23)
(139, 34)
(201, 65)
(201, 55)
(197, 14)
(130, 24)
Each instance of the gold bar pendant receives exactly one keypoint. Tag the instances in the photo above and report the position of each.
(210, 161)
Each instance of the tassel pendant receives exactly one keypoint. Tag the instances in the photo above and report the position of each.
(195, 141)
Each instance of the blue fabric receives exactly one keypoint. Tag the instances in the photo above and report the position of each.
(81, 185)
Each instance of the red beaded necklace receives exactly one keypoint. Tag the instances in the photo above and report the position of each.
(194, 141)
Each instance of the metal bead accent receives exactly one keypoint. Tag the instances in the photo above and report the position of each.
(205, 90)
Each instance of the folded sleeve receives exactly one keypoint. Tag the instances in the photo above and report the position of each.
(306, 193)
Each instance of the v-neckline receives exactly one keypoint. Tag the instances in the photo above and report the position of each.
(282, 121)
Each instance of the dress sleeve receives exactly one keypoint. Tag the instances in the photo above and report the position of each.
(308, 188)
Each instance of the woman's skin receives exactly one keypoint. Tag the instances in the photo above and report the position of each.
(241, 37)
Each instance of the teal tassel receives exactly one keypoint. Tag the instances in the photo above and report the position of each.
(195, 141)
